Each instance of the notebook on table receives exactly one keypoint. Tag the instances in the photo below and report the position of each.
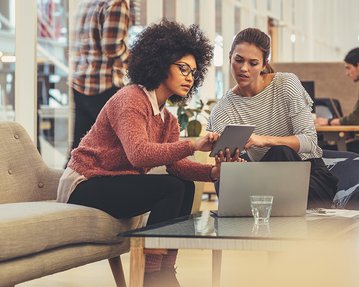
(288, 182)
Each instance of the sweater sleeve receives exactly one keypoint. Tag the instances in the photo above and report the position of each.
(187, 169)
(190, 170)
(129, 118)
(353, 117)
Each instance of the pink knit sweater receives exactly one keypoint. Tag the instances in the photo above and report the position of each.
(128, 139)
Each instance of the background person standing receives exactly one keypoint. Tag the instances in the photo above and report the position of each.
(98, 57)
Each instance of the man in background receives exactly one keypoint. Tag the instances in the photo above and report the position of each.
(351, 70)
(98, 57)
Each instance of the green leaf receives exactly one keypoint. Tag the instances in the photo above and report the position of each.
(182, 121)
(180, 111)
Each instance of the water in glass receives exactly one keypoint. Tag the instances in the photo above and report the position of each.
(261, 208)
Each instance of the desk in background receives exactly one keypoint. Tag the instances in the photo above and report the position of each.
(337, 134)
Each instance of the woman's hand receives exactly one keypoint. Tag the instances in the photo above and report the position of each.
(256, 140)
(206, 143)
(224, 157)
(269, 141)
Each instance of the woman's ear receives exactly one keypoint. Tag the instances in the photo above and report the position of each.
(266, 63)
(265, 67)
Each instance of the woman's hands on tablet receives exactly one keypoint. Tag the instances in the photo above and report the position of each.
(205, 143)
(268, 141)
(256, 140)
(224, 157)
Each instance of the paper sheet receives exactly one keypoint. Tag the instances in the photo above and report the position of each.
(320, 212)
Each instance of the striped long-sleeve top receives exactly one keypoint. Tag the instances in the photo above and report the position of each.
(282, 109)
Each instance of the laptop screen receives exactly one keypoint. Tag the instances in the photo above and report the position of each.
(287, 182)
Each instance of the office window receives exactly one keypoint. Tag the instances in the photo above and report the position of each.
(7, 61)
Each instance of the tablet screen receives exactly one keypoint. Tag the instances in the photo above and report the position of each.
(232, 137)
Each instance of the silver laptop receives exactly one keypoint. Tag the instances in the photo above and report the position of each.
(288, 182)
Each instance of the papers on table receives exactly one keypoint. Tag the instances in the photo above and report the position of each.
(320, 212)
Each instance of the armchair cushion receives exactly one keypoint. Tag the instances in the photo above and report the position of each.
(25, 230)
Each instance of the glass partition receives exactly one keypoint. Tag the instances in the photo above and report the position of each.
(7, 61)
(52, 86)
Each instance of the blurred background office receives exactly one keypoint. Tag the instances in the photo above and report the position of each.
(35, 36)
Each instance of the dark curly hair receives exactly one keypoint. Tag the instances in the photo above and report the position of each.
(160, 45)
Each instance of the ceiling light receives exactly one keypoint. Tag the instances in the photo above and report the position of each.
(8, 59)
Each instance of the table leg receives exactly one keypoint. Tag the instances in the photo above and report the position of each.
(137, 262)
(338, 137)
(216, 267)
(341, 144)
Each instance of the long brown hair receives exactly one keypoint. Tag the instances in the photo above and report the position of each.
(258, 38)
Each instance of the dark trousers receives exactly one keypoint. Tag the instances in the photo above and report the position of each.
(322, 184)
(166, 196)
(87, 109)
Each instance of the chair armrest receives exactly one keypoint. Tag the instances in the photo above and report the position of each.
(51, 182)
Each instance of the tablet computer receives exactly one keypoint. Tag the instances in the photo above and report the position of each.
(232, 137)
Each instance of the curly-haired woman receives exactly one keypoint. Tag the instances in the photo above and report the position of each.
(134, 132)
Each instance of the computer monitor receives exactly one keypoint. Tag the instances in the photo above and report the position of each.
(309, 87)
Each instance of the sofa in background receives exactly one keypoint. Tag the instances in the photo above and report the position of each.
(39, 236)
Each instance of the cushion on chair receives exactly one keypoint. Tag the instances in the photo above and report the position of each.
(31, 227)
(345, 166)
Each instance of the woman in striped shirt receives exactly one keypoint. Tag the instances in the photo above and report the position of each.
(280, 108)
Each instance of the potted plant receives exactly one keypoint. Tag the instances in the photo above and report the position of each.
(188, 117)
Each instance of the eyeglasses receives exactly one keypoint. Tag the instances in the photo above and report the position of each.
(185, 70)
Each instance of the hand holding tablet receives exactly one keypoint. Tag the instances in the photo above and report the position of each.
(232, 137)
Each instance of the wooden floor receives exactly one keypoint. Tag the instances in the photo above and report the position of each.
(194, 269)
